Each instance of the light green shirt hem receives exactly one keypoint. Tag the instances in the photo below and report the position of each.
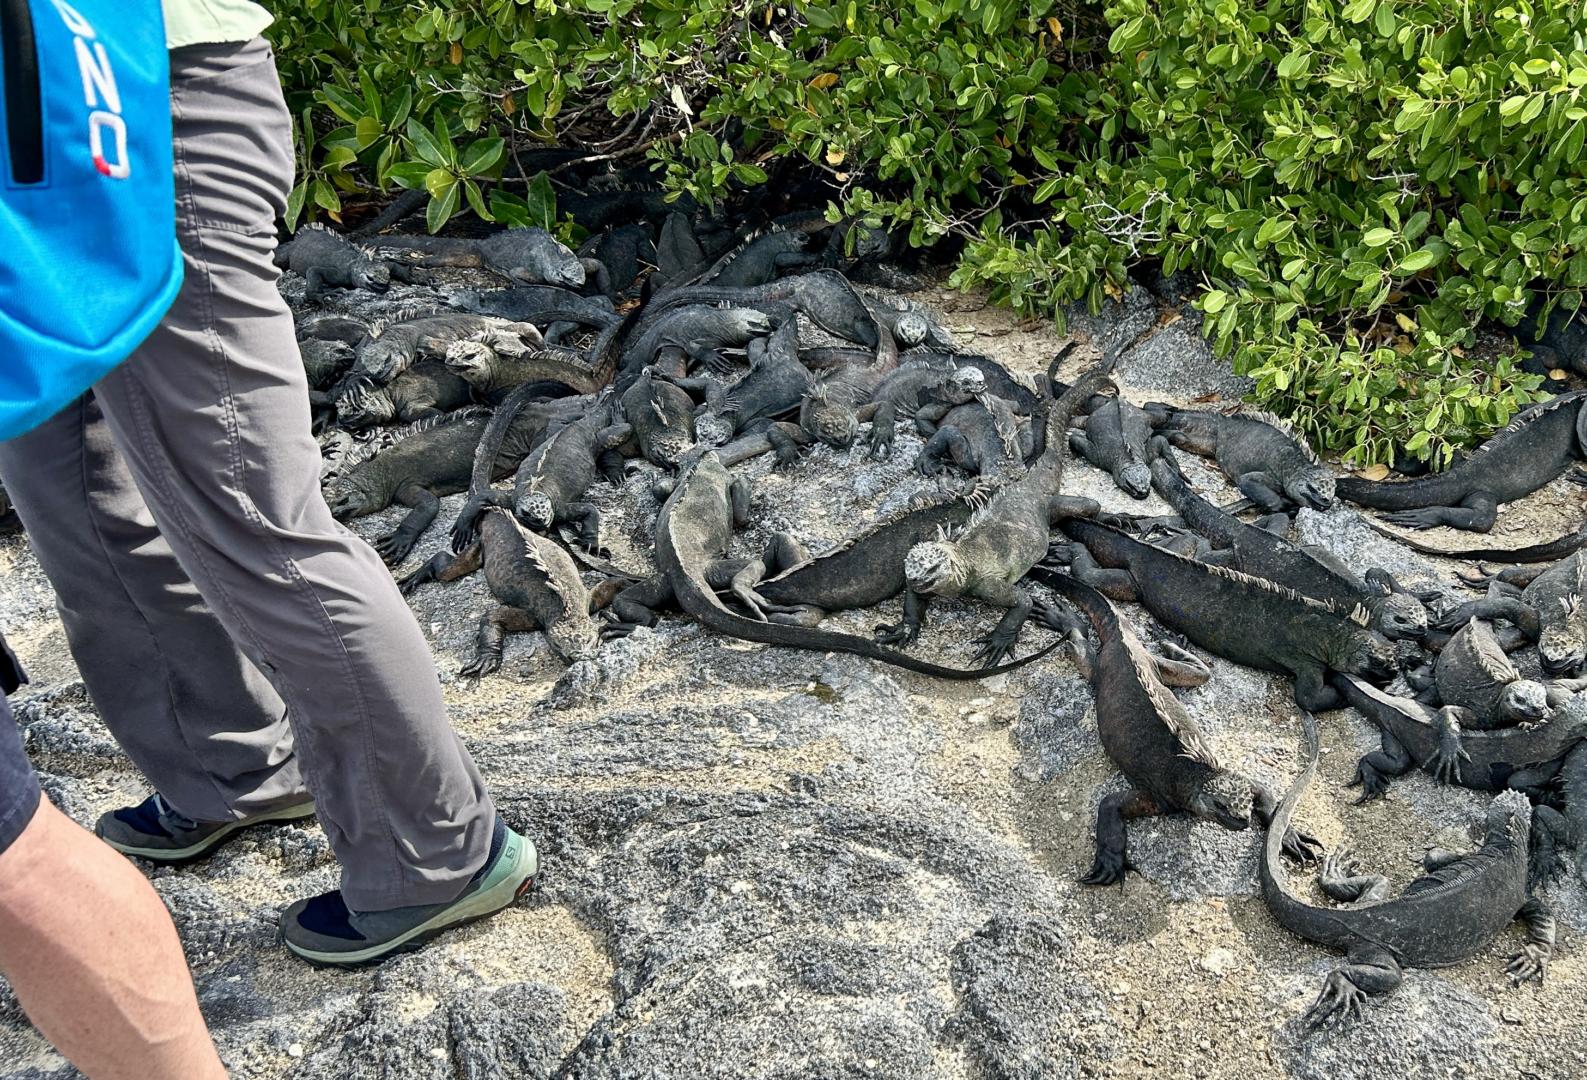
(212, 22)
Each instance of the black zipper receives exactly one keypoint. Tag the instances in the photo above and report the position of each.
(24, 105)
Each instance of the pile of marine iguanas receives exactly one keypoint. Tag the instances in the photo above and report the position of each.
(685, 352)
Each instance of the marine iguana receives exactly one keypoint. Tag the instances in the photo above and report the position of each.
(328, 260)
(622, 252)
(774, 385)
(1538, 446)
(697, 329)
(423, 390)
(1472, 671)
(536, 586)
(1113, 437)
(494, 363)
(905, 389)
(1249, 620)
(324, 362)
(1446, 744)
(693, 531)
(430, 458)
(530, 303)
(1000, 543)
(1256, 451)
(982, 437)
(530, 256)
(1545, 605)
(823, 296)
(1152, 739)
(912, 325)
(1548, 551)
(829, 412)
(1315, 572)
(759, 260)
(1444, 917)
(660, 416)
(392, 349)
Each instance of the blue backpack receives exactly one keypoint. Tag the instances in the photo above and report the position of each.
(88, 255)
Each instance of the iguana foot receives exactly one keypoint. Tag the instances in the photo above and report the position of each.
(613, 629)
(1577, 477)
(1340, 863)
(1373, 784)
(1055, 617)
(896, 634)
(882, 436)
(992, 649)
(1303, 847)
(394, 548)
(1480, 579)
(1445, 761)
(1109, 868)
(482, 664)
(1339, 1000)
(1528, 964)
(1425, 518)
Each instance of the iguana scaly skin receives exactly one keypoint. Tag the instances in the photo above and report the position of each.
(1539, 446)
(1531, 759)
(903, 391)
(327, 260)
(1444, 917)
(1394, 612)
(693, 531)
(424, 390)
(999, 544)
(533, 304)
(527, 256)
(1246, 619)
(495, 363)
(1113, 437)
(824, 297)
(660, 417)
(390, 350)
(1257, 452)
(1545, 605)
(983, 437)
(324, 362)
(697, 330)
(1472, 672)
(773, 387)
(1151, 738)
(760, 260)
(830, 412)
(536, 586)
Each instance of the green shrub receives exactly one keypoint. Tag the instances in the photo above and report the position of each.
(1357, 184)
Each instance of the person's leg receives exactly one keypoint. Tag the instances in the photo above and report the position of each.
(212, 416)
(193, 714)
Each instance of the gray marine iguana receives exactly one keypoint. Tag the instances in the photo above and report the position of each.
(534, 303)
(423, 390)
(494, 363)
(693, 531)
(1151, 738)
(1240, 617)
(824, 297)
(1113, 437)
(328, 260)
(982, 437)
(536, 586)
(394, 347)
(530, 256)
(1453, 750)
(1001, 542)
(1446, 916)
(759, 259)
(1311, 571)
(1545, 605)
(1256, 451)
(698, 329)
(1540, 445)
(1474, 673)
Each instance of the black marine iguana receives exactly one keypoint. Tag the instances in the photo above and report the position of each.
(759, 260)
(529, 256)
(392, 349)
(1444, 917)
(1257, 452)
(1540, 445)
(423, 390)
(1545, 605)
(660, 417)
(1314, 572)
(536, 586)
(698, 330)
(1113, 437)
(981, 437)
(532, 303)
(1473, 672)
(1152, 739)
(329, 260)
(693, 531)
(1249, 620)
(1001, 542)
(824, 297)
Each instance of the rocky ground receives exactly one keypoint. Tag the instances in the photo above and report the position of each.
(770, 863)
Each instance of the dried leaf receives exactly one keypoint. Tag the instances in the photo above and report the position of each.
(1407, 323)
(1374, 473)
(680, 101)
(509, 104)
(824, 80)
(1559, 373)
(1056, 29)
(834, 156)
(457, 52)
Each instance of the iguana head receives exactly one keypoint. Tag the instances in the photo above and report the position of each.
(1562, 646)
(534, 509)
(1313, 486)
(911, 329)
(963, 385)
(382, 359)
(354, 496)
(363, 404)
(549, 260)
(829, 418)
(934, 566)
(1135, 478)
(1509, 819)
(371, 274)
(1524, 702)
(470, 358)
(668, 447)
(1400, 617)
(1226, 800)
(748, 323)
(574, 638)
(1371, 657)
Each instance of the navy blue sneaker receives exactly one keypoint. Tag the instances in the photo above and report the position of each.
(153, 830)
(324, 931)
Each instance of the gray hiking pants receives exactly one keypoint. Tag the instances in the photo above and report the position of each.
(240, 644)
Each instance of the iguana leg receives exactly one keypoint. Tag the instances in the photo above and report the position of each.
(637, 606)
(786, 439)
(317, 285)
(1477, 512)
(1444, 765)
(1254, 486)
(494, 626)
(1277, 524)
(401, 271)
(884, 429)
(394, 547)
(1435, 859)
(739, 494)
(589, 521)
(1372, 970)
(1373, 770)
(1114, 584)
(1068, 507)
(465, 530)
(993, 648)
(1204, 552)
(1340, 882)
(1303, 847)
(946, 442)
(1523, 615)
(1550, 833)
(596, 277)
(1532, 961)
(928, 416)
(906, 632)
(710, 359)
(1188, 442)
(1180, 667)
(1312, 691)
(781, 552)
(791, 260)
(610, 464)
(443, 566)
(1080, 443)
(1111, 862)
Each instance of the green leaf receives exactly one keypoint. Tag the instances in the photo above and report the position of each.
(409, 174)
(441, 210)
(1416, 261)
(425, 146)
(1376, 238)
(295, 204)
(1214, 301)
(482, 156)
(438, 182)
(540, 203)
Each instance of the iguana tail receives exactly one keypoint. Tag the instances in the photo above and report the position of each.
(1092, 604)
(438, 250)
(1551, 551)
(1291, 912)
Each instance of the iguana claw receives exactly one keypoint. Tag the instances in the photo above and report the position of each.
(896, 634)
(1427, 518)
(1445, 761)
(1303, 847)
(993, 648)
(1109, 868)
(1371, 784)
(1339, 1000)
(394, 548)
(1528, 964)
(483, 664)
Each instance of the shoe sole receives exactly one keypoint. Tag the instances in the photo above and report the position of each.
(486, 902)
(172, 856)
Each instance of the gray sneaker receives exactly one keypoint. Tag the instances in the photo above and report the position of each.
(152, 830)
(325, 932)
